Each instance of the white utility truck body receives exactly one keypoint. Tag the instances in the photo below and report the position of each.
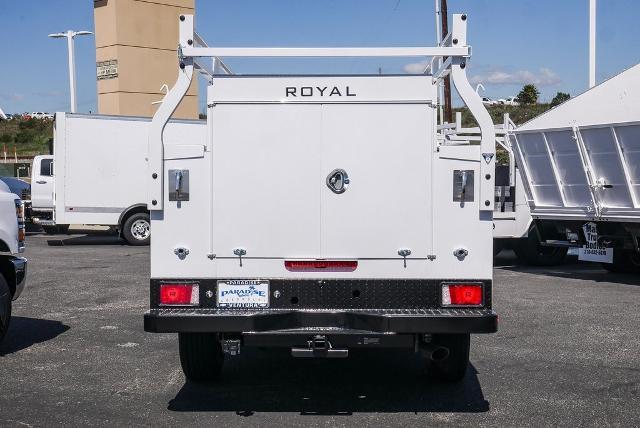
(579, 161)
(99, 171)
(321, 213)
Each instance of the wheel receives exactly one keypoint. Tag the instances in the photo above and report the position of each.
(530, 252)
(5, 307)
(497, 248)
(454, 366)
(201, 356)
(137, 229)
(57, 229)
(624, 261)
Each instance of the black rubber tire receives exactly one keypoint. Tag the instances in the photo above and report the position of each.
(5, 307)
(497, 248)
(128, 235)
(624, 261)
(201, 356)
(454, 367)
(58, 229)
(530, 252)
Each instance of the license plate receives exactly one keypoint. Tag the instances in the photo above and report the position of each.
(592, 251)
(243, 293)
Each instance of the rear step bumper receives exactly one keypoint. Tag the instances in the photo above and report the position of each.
(270, 320)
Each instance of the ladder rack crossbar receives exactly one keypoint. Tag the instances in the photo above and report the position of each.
(252, 52)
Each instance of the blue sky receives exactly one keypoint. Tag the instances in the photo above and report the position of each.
(514, 41)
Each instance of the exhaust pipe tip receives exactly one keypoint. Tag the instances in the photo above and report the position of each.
(440, 353)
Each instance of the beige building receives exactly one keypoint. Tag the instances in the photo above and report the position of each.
(136, 43)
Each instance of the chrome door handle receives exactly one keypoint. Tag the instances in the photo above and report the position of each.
(338, 181)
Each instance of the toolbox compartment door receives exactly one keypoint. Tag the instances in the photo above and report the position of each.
(266, 197)
(385, 149)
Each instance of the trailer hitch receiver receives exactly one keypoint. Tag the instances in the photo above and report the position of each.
(319, 347)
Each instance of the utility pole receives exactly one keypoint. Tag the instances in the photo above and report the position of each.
(72, 62)
(592, 43)
(444, 17)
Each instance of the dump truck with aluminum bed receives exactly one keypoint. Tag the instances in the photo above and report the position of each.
(96, 175)
(323, 213)
(579, 162)
(513, 228)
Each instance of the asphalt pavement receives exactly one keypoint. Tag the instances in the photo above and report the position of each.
(567, 354)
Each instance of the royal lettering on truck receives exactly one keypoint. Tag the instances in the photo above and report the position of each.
(325, 91)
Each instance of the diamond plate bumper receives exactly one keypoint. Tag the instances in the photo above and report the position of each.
(378, 321)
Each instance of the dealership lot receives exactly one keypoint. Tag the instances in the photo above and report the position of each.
(567, 353)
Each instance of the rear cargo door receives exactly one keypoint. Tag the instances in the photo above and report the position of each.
(266, 165)
(385, 151)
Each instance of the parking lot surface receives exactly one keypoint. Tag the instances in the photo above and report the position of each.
(567, 353)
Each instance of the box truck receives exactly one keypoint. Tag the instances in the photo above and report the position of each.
(96, 175)
(323, 212)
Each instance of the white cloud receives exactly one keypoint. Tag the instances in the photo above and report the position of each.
(12, 97)
(416, 67)
(48, 94)
(544, 77)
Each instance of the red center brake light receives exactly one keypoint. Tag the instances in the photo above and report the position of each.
(462, 294)
(321, 265)
(179, 294)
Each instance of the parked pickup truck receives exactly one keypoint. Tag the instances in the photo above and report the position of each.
(13, 269)
(321, 213)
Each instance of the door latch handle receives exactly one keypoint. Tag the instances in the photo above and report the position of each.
(240, 252)
(463, 176)
(338, 181)
(404, 253)
(41, 182)
(178, 182)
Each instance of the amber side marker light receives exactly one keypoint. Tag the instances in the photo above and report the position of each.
(462, 294)
(321, 265)
(179, 295)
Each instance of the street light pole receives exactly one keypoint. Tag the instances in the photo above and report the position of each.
(70, 34)
(592, 43)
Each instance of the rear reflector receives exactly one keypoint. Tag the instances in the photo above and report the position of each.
(179, 294)
(321, 265)
(462, 294)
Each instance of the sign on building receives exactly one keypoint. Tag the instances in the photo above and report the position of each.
(107, 69)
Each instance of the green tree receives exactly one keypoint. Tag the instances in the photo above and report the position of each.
(6, 138)
(559, 98)
(529, 94)
(25, 136)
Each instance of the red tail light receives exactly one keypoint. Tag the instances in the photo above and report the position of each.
(462, 294)
(179, 294)
(321, 265)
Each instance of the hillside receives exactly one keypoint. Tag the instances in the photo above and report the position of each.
(518, 114)
(29, 137)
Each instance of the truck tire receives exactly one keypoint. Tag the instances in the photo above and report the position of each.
(530, 252)
(201, 356)
(5, 307)
(454, 367)
(57, 229)
(624, 261)
(497, 248)
(137, 229)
